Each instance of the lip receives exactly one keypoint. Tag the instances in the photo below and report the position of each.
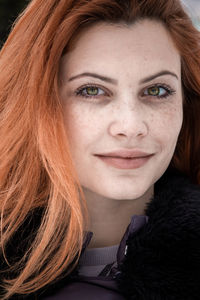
(125, 153)
(125, 159)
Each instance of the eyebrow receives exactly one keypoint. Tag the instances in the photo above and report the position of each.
(159, 74)
(115, 82)
(103, 78)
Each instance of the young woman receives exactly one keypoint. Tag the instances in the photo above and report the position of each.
(99, 152)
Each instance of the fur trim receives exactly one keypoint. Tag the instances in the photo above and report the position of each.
(163, 257)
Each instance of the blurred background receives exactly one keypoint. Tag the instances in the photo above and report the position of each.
(193, 8)
(10, 9)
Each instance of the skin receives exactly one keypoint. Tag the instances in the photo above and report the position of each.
(122, 115)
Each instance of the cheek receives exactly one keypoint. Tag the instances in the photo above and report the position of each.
(81, 126)
(168, 126)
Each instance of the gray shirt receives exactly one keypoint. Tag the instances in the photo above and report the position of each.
(94, 260)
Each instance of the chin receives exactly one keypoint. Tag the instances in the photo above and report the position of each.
(126, 194)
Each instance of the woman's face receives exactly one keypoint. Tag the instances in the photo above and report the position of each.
(122, 103)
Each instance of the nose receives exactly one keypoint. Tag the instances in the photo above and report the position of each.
(128, 121)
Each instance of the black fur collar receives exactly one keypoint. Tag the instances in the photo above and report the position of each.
(163, 257)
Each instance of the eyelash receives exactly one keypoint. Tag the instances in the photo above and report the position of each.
(168, 89)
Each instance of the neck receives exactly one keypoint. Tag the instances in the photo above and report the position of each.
(109, 218)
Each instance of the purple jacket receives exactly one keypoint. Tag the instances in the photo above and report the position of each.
(86, 288)
(158, 257)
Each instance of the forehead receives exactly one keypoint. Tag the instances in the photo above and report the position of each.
(145, 44)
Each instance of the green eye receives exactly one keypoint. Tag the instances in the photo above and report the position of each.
(158, 91)
(154, 91)
(92, 91)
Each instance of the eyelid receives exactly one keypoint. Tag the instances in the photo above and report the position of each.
(158, 84)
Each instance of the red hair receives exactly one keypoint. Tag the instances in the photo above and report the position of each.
(36, 166)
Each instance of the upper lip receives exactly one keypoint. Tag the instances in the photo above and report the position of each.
(126, 153)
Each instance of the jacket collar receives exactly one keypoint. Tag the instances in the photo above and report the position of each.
(163, 256)
(136, 223)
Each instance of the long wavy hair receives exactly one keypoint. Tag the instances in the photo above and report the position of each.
(36, 169)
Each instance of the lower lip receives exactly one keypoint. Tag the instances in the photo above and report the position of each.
(125, 163)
